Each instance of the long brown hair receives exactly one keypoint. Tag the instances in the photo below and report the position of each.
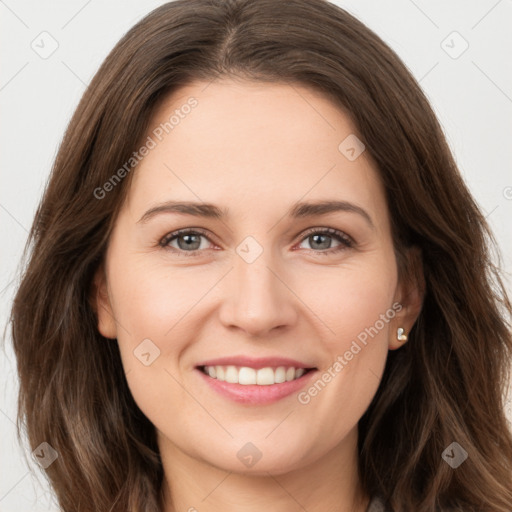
(447, 384)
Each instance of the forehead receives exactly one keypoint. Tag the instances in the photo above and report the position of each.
(252, 144)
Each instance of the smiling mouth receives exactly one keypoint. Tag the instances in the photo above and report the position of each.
(250, 376)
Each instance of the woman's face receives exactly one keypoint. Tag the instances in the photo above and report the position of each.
(258, 277)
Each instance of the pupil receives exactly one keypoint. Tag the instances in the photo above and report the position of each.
(188, 241)
(325, 244)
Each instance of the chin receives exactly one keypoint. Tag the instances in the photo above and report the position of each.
(257, 458)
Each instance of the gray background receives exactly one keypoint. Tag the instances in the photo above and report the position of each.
(471, 92)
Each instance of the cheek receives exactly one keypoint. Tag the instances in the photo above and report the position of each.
(358, 309)
(151, 299)
(360, 306)
(153, 330)
(352, 300)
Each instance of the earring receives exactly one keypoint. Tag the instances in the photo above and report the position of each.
(400, 334)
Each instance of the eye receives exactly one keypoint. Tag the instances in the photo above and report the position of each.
(189, 241)
(317, 238)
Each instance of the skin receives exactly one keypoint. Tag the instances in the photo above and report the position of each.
(254, 148)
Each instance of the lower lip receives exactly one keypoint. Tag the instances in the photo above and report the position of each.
(254, 394)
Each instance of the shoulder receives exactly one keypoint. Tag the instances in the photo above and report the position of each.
(377, 505)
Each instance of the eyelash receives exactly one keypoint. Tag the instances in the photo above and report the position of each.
(346, 241)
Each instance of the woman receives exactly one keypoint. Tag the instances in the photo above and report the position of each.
(250, 371)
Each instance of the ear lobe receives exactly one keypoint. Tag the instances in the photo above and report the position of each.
(100, 303)
(411, 292)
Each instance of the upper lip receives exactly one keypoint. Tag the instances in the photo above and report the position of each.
(256, 363)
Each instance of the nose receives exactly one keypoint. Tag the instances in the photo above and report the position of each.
(257, 299)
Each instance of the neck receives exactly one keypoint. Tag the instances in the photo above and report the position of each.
(328, 484)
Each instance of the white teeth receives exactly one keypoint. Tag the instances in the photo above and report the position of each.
(265, 377)
(246, 376)
(280, 375)
(231, 375)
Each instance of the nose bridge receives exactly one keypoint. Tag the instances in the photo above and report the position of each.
(257, 299)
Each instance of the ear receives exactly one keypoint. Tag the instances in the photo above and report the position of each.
(100, 303)
(410, 293)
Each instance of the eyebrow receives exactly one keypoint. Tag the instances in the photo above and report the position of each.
(296, 211)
